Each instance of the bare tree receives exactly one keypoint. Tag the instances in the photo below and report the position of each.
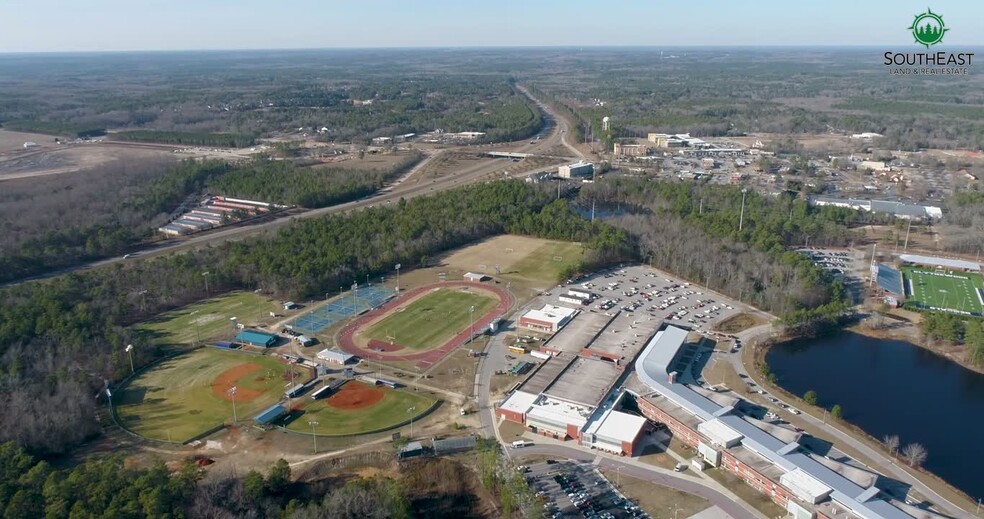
(914, 454)
(891, 442)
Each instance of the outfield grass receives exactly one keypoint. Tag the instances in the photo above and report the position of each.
(433, 319)
(542, 265)
(174, 399)
(385, 414)
(928, 289)
(208, 319)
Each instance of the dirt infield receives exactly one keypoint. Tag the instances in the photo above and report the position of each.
(229, 377)
(355, 395)
(423, 359)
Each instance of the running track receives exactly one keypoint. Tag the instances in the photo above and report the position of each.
(424, 359)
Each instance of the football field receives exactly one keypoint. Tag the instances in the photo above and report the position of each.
(432, 319)
(944, 289)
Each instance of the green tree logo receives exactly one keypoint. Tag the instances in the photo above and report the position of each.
(928, 28)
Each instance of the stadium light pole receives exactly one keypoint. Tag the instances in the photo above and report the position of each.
(314, 435)
(232, 394)
(205, 275)
(129, 351)
(398, 265)
(410, 411)
(741, 217)
(471, 312)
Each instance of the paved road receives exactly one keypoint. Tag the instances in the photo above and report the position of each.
(405, 187)
(655, 475)
(881, 461)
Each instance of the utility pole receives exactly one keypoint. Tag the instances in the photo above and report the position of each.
(314, 435)
(205, 275)
(129, 351)
(909, 228)
(741, 217)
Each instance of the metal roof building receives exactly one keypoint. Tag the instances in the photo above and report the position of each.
(452, 445)
(335, 356)
(805, 477)
(270, 414)
(256, 338)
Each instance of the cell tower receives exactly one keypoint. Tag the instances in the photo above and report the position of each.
(606, 123)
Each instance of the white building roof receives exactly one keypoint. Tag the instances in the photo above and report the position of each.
(618, 426)
(943, 262)
(551, 314)
(335, 355)
(559, 412)
(805, 486)
(719, 433)
(519, 402)
(474, 275)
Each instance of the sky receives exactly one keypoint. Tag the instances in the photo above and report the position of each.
(126, 25)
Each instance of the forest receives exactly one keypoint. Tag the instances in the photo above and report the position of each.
(56, 223)
(228, 140)
(61, 339)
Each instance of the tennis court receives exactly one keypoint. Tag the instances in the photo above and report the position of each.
(336, 311)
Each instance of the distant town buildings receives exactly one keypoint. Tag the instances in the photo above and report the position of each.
(631, 150)
(578, 169)
(899, 209)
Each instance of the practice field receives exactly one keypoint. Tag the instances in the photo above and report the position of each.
(521, 258)
(432, 319)
(208, 319)
(360, 408)
(943, 289)
(187, 395)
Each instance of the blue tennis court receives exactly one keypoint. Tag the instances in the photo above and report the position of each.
(341, 309)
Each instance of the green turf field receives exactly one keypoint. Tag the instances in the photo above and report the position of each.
(431, 320)
(545, 262)
(175, 399)
(385, 414)
(208, 319)
(928, 289)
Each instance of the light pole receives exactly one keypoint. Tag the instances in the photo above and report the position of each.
(198, 330)
(471, 330)
(314, 435)
(398, 277)
(741, 217)
(129, 351)
(290, 402)
(355, 293)
(326, 295)
(410, 411)
(618, 475)
(232, 394)
(205, 275)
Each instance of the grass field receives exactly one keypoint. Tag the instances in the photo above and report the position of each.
(431, 320)
(208, 319)
(388, 412)
(944, 289)
(175, 399)
(520, 258)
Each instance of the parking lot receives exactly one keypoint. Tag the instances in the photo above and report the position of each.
(847, 266)
(574, 489)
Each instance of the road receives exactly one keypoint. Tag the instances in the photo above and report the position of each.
(881, 462)
(405, 187)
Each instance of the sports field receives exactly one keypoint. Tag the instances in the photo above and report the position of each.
(187, 395)
(432, 319)
(208, 319)
(943, 289)
(359, 408)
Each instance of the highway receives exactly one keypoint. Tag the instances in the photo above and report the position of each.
(406, 187)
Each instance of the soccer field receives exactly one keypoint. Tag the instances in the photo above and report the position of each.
(944, 289)
(386, 408)
(208, 319)
(431, 320)
(187, 395)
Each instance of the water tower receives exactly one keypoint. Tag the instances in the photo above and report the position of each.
(606, 123)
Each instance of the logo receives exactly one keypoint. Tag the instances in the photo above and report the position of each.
(928, 28)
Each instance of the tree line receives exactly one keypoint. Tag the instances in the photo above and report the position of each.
(956, 329)
(61, 339)
(222, 140)
(701, 233)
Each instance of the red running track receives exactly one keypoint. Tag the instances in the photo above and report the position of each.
(427, 358)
